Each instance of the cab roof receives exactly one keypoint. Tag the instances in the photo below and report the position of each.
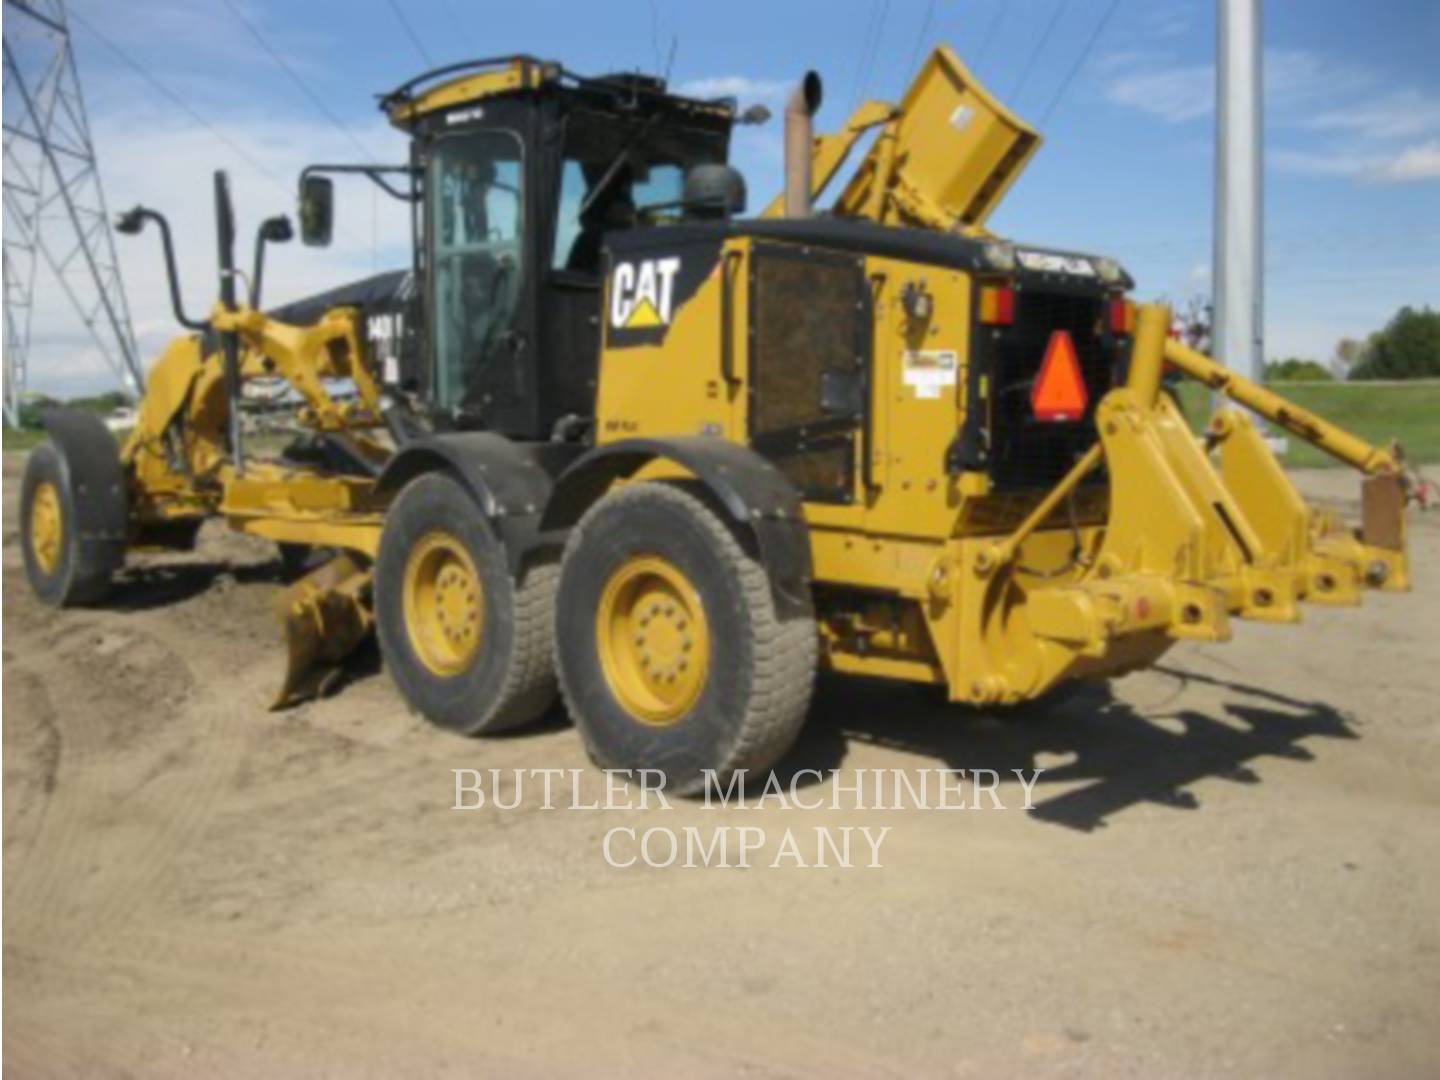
(476, 80)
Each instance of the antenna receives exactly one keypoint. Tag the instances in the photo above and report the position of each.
(54, 205)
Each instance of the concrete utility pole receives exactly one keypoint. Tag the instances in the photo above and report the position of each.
(1238, 330)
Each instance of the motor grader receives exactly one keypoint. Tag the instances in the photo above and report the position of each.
(610, 437)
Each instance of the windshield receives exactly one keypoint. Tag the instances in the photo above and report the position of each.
(613, 183)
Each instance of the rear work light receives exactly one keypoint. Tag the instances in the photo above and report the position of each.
(997, 305)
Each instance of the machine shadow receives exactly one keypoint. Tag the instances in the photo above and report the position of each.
(159, 584)
(1117, 755)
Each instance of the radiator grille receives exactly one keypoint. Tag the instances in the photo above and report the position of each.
(1025, 452)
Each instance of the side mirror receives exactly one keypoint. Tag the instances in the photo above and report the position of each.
(317, 210)
(276, 230)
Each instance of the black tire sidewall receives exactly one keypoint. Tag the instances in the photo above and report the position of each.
(706, 735)
(431, 503)
(46, 464)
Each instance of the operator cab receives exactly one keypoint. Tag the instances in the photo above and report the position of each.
(517, 171)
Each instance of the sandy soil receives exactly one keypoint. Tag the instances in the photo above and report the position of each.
(1232, 868)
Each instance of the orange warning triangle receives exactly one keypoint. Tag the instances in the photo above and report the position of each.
(1059, 392)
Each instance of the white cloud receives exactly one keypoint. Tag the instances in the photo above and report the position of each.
(147, 157)
(1414, 163)
(741, 87)
(1167, 22)
(1319, 163)
(1302, 89)
(1294, 79)
(1400, 115)
(1406, 165)
(1172, 94)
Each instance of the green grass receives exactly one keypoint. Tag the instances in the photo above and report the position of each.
(1410, 413)
(27, 439)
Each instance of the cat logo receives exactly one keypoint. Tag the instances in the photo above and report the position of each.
(641, 294)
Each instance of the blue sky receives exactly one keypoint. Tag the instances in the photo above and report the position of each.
(1352, 127)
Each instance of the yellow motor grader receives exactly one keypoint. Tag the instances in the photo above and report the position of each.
(611, 438)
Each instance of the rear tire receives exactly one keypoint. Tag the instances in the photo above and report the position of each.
(670, 652)
(469, 646)
(64, 569)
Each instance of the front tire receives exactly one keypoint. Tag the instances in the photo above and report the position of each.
(469, 646)
(670, 652)
(64, 569)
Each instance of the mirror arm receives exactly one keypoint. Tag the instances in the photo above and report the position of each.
(257, 268)
(376, 173)
(132, 222)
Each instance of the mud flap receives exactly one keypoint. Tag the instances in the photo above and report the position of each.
(326, 615)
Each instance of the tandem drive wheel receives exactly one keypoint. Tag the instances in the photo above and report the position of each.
(670, 652)
(469, 646)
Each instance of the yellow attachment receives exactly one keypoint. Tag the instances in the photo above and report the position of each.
(945, 159)
(653, 640)
(47, 526)
(444, 604)
(1301, 423)
(303, 355)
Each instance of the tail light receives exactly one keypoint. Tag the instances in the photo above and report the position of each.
(997, 305)
(1122, 317)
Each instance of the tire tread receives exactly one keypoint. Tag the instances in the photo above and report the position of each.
(784, 652)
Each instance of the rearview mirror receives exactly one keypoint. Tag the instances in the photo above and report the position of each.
(317, 210)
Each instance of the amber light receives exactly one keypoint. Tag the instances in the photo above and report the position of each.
(997, 305)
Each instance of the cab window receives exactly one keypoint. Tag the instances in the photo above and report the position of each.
(476, 222)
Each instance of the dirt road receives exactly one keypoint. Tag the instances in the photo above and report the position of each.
(1232, 867)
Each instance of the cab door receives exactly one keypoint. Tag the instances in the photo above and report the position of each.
(476, 221)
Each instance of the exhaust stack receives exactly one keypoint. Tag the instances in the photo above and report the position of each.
(799, 109)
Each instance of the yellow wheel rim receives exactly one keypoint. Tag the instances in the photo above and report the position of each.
(653, 640)
(444, 604)
(47, 526)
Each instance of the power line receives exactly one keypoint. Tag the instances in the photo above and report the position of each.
(863, 77)
(455, 18)
(170, 95)
(410, 32)
(1039, 48)
(182, 104)
(303, 86)
(920, 37)
(990, 34)
(1080, 63)
(864, 52)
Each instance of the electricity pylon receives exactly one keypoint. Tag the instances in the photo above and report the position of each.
(54, 205)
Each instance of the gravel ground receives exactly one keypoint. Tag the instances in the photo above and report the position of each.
(1231, 867)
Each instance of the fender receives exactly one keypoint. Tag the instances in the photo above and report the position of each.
(510, 482)
(95, 477)
(756, 495)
